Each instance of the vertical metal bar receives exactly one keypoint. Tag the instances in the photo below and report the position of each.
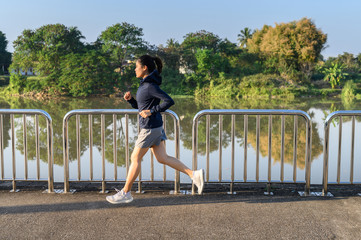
(245, 147)
(90, 119)
(78, 145)
(2, 145)
(151, 167)
(339, 151)
(115, 146)
(37, 146)
(102, 123)
(140, 167)
(66, 155)
(257, 143)
(126, 143)
(220, 146)
(325, 158)
(295, 133)
(194, 147)
(282, 146)
(177, 151)
(352, 149)
(49, 126)
(13, 150)
(233, 138)
(269, 147)
(308, 157)
(25, 148)
(164, 128)
(208, 123)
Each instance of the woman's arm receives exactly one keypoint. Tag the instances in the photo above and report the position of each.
(128, 97)
(155, 91)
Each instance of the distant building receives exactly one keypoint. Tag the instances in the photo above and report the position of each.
(29, 72)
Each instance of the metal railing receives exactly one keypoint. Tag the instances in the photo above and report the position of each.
(328, 121)
(114, 112)
(257, 113)
(24, 113)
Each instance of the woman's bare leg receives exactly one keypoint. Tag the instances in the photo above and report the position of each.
(162, 157)
(137, 155)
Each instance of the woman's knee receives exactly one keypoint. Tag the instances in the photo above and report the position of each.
(162, 159)
(135, 158)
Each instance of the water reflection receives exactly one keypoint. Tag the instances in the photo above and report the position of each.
(186, 108)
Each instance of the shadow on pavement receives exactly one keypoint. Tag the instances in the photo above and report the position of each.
(154, 200)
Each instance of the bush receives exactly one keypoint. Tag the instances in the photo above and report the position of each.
(17, 82)
(349, 90)
(33, 83)
(263, 85)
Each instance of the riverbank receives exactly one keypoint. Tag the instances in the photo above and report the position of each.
(258, 86)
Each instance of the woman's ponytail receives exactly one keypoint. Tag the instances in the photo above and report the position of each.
(158, 63)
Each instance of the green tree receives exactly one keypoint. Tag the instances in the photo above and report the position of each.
(5, 56)
(289, 48)
(243, 37)
(43, 48)
(359, 62)
(86, 73)
(349, 61)
(122, 41)
(209, 63)
(334, 74)
(170, 54)
(194, 41)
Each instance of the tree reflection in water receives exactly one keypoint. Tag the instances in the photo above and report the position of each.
(186, 108)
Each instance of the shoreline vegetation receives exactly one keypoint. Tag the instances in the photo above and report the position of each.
(275, 62)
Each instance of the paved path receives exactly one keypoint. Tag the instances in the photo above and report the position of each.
(86, 215)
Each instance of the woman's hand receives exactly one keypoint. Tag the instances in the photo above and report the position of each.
(145, 113)
(127, 96)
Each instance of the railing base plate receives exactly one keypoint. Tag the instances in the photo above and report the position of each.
(231, 193)
(184, 192)
(140, 192)
(268, 193)
(315, 194)
(106, 191)
(54, 191)
(71, 191)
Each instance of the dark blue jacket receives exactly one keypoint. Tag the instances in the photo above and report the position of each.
(148, 97)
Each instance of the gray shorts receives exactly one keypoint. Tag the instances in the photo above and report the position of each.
(150, 137)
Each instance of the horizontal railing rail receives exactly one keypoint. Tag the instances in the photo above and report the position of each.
(328, 121)
(24, 113)
(245, 114)
(114, 112)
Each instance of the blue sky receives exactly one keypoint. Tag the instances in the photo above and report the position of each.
(164, 19)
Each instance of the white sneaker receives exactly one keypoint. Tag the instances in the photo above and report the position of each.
(198, 179)
(120, 197)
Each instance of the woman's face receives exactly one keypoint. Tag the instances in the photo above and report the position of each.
(140, 71)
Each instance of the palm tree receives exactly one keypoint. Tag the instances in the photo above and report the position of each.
(245, 34)
(172, 43)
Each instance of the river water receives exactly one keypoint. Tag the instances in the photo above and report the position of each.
(185, 108)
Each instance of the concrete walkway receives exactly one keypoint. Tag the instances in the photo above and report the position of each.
(86, 215)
